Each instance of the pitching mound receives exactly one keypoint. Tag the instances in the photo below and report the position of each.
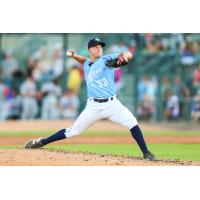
(45, 157)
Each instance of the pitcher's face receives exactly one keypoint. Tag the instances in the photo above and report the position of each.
(96, 51)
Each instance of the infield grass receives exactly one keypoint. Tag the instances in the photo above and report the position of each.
(162, 151)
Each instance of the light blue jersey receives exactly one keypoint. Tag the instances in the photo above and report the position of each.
(100, 78)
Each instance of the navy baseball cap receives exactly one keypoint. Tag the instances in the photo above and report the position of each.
(95, 41)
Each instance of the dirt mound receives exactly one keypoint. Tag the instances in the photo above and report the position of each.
(44, 157)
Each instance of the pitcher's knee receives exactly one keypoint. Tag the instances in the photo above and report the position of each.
(131, 123)
(70, 132)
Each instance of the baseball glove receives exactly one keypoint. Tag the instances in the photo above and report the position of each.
(117, 62)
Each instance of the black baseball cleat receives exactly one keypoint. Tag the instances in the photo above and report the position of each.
(31, 144)
(149, 156)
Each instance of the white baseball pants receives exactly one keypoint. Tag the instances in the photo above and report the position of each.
(112, 110)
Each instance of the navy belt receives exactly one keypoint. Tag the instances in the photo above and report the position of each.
(102, 100)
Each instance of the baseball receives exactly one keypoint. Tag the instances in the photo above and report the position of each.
(69, 53)
(129, 55)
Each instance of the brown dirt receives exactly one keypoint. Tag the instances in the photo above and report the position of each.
(107, 140)
(44, 157)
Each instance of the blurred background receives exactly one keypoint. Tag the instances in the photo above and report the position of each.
(162, 83)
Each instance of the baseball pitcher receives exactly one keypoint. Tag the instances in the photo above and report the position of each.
(102, 102)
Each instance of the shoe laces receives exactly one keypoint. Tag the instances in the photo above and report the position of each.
(36, 140)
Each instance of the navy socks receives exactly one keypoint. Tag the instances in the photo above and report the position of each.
(137, 135)
(56, 136)
(135, 131)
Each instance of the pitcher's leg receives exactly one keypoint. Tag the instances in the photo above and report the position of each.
(124, 117)
(59, 135)
(86, 119)
(121, 115)
(138, 136)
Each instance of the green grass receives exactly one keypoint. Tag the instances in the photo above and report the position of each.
(162, 151)
(107, 133)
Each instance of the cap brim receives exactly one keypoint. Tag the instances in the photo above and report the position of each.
(102, 44)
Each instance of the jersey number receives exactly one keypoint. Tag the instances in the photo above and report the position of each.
(102, 83)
